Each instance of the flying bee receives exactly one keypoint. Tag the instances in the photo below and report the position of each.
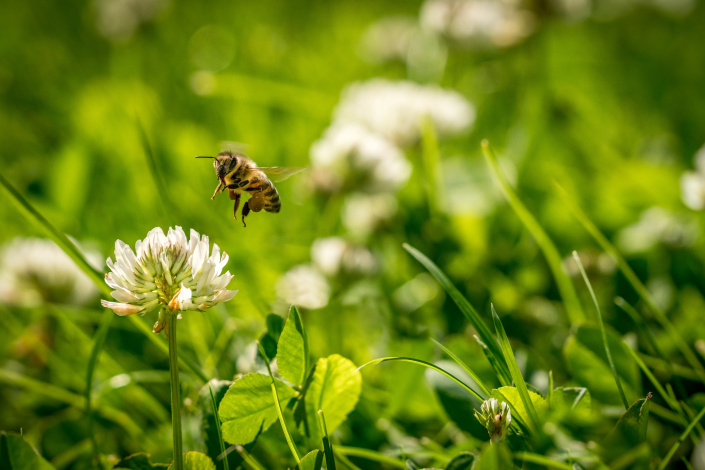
(238, 174)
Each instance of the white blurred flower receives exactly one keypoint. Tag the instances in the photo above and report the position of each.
(698, 457)
(657, 225)
(495, 416)
(333, 255)
(479, 24)
(304, 286)
(167, 270)
(33, 270)
(693, 183)
(389, 39)
(117, 20)
(351, 155)
(363, 213)
(397, 109)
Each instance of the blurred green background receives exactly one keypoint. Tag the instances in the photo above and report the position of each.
(103, 106)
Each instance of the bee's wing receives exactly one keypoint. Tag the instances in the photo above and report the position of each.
(280, 173)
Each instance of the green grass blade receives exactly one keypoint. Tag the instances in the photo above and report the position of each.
(681, 438)
(371, 455)
(168, 207)
(61, 239)
(425, 364)
(458, 361)
(541, 460)
(249, 460)
(515, 372)
(553, 257)
(223, 455)
(658, 386)
(633, 279)
(98, 343)
(327, 448)
(465, 307)
(602, 330)
(289, 440)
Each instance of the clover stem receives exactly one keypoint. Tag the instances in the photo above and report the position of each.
(175, 395)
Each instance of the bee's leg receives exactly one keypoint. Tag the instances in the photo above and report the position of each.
(245, 211)
(236, 197)
(220, 184)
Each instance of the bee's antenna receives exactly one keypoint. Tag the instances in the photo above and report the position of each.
(204, 157)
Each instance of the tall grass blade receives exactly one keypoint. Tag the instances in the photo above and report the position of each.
(371, 455)
(465, 367)
(428, 365)
(516, 373)
(327, 448)
(465, 307)
(289, 440)
(61, 239)
(681, 438)
(154, 168)
(602, 330)
(633, 279)
(553, 257)
(98, 343)
(223, 455)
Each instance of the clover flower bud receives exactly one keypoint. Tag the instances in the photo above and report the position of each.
(495, 416)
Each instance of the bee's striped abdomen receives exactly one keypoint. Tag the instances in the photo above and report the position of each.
(271, 198)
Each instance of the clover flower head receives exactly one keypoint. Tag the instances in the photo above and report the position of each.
(495, 416)
(396, 110)
(170, 271)
(478, 24)
(304, 286)
(351, 155)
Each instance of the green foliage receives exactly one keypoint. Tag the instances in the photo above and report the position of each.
(462, 461)
(311, 461)
(139, 461)
(335, 389)
(196, 461)
(209, 397)
(585, 355)
(248, 409)
(17, 454)
(629, 432)
(292, 349)
(493, 457)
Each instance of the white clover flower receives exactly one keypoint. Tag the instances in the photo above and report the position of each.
(168, 271)
(657, 225)
(397, 109)
(364, 213)
(33, 270)
(333, 254)
(304, 286)
(693, 183)
(118, 19)
(495, 416)
(349, 154)
(479, 24)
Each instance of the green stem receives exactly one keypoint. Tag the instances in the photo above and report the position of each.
(602, 331)
(175, 396)
(275, 395)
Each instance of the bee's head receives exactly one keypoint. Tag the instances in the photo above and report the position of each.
(224, 163)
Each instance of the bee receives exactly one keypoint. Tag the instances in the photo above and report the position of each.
(239, 174)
